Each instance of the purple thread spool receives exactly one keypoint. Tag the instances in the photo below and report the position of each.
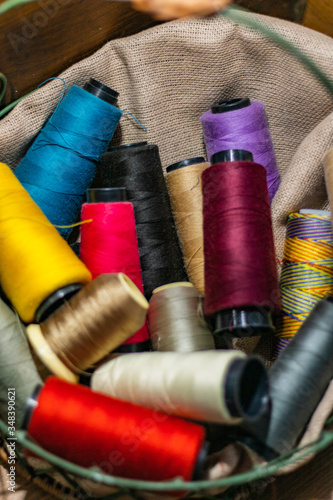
(242, 124)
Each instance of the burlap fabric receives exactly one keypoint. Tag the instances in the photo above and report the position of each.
(169, 75)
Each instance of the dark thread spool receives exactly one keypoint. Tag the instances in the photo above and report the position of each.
(138, 168)
(298, 380)
(241, 285)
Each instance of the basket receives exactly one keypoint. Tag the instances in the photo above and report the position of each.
(206, 60)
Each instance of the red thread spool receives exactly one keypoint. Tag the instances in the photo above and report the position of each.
(126, 440)
(109, 245)
(241, 284)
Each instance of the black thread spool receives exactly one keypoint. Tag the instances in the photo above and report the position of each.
(138, 167)
(298, 380)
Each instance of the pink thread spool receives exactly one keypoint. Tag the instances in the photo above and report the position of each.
(109, 245)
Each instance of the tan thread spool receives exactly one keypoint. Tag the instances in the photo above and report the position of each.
(176, 319)
(213, 386)
(184, 185)
(94, 322)
(328, 168)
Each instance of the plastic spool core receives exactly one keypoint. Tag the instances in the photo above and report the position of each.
(231, 155)
(185, 163)
(31, 404)
(247, 389)
(106, 195)
(101, 91)
(230, 105)
(57, 299)
(128, 146)
(47, 356)
(246, 322)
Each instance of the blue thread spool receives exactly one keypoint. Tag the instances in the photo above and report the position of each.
(60, 165)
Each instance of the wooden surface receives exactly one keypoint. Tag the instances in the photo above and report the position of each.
(40, 39)
(319, 16)
(292, 10)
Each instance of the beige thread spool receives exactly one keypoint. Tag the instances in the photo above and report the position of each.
(176, 319)
(184, 185)
(328, 169)
(213, 386)
(85, 329)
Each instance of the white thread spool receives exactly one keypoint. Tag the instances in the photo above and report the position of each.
(213, 386)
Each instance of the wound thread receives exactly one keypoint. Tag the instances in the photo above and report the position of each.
(176, 319)
(18, 373)
(242, 124)
(241, 285)
(61, 163)
(91, 324)
(185, 190)
(138, 169)
(35, 262)
(213, 386)
(109, 244)
(307, 273)
(97, 425)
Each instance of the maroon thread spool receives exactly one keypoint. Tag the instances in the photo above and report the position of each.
(241, 283)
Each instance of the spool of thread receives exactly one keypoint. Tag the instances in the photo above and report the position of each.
(90, 325)
(38, 270)
(109, 245)
(177, 321)
(307, 273)
(241, 284)
(328, 169)
(298, 380)
(61, 163)
(213, 386)
(118, 437)
(183, 180)
(242, 124)
(18, 373)
(137, 167)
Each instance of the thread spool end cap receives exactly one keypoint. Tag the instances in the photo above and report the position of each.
(230, 105)
(101, 91)
(106, 195)
(247, 322)
(52, 303)
(31, 404)
(185, 163)
(127, 146)
(231, 155)
(247, 389)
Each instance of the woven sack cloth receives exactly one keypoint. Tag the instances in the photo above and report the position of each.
(168, 76)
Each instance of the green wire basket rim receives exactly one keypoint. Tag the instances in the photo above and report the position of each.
(258, 471)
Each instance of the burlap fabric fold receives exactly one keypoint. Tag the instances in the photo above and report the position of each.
(169, 75)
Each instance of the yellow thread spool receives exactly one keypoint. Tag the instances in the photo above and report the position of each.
(35, 261)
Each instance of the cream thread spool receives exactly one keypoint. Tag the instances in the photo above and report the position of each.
(177, 321)
(92, 324)
(183, 180)
(224, 387)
